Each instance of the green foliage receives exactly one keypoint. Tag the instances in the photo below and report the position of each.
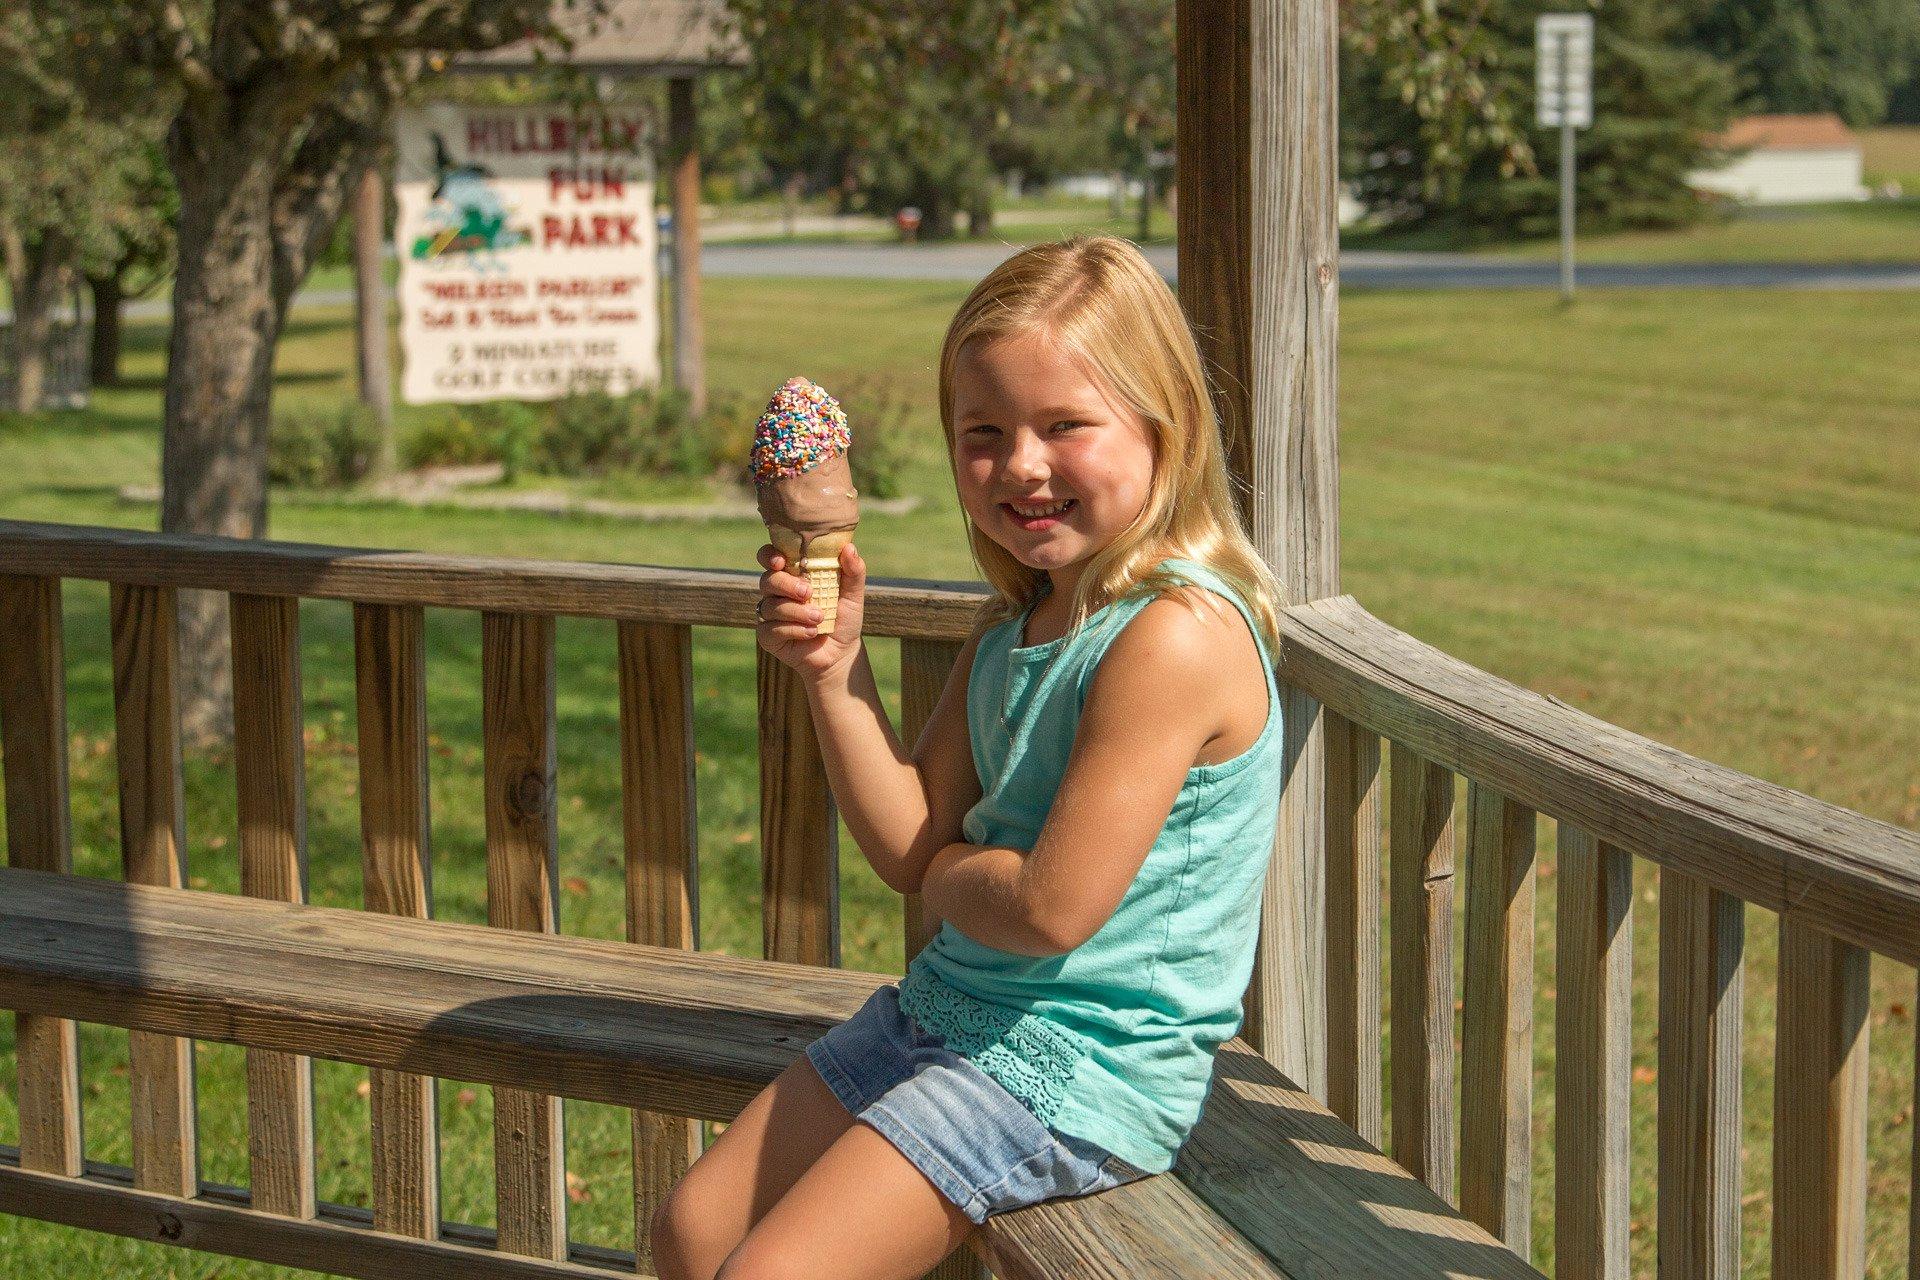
(315, 447)
(1847, 56)
(884, 447)
(1449, 141)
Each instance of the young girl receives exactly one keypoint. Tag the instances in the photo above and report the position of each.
(1089, 811)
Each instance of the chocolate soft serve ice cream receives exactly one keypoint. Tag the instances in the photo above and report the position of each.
(805, 486)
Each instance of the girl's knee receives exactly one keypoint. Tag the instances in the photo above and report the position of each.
(685, 1245)
(754, 1260)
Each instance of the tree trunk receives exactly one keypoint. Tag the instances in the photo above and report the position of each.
(790, 193)
(36, 275)
(370, 315)
(1144, 225)
(980, 218)
(103, 360)
(213, 453)
(1117, 195)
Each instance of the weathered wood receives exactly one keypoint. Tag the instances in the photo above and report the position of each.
(1353, 926)
(1271, 1160)
(925, 666)
(799, 831)
(389, 646)
(523, 843)
(1420, 875)
(1593, 1060)
(1496, 1063)
(612, 1021)
(692, 1033)
(1844, 874)
(33, 742)
(1820, 1108)
(662, 861)
(153, 849)
(269, 769)
(634, 593)
(340, 1239)
(1256, 91)
(1702, 944)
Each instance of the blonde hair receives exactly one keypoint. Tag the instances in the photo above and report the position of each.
(1101, 301)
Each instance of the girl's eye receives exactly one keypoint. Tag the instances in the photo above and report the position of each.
(985, 426)
(1070, 424)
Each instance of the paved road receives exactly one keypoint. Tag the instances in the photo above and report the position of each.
(1361, 270)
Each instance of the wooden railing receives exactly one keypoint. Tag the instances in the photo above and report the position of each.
(1842, 885)
(653, 611)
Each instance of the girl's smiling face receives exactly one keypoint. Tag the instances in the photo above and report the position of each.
(1033, 432)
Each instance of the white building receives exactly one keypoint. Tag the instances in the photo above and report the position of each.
(1787, 160)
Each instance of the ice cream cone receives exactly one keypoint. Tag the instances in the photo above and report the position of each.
(805, 486)
(819, 559)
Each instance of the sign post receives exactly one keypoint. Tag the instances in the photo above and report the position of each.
(1563, 85)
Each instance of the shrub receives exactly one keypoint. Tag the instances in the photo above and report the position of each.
(320, 447)
(453, 436)
(883, 442)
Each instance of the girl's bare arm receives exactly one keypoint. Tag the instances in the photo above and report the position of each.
(902, 805)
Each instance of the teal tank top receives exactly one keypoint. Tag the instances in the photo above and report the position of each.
(1114, 1041)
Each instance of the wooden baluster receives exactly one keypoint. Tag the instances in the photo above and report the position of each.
(389, 645)
(516, 680)
(799, 832)
(925, 666)
(1593, 1062)
(1820, 1107)
(1496, 1076)
(1421, 880)
(269, 768)
(1702, 945)
(153, 848)
(663, 871)
(1353, 925)
(33, 739)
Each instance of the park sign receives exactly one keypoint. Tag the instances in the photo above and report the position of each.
(527, 248)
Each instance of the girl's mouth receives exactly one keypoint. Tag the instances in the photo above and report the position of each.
(1037, 517)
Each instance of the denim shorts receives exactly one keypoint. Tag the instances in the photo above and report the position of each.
(976, 1142)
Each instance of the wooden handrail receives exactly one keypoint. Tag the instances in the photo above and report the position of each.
(899, 607)
(1847, 875)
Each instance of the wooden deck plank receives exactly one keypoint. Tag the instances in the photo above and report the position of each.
(269, 768)
(153, 848)
(1820, 1107)
(1354, 1028)
(1593, 1057)
(1496, 1072)
(389, 646)
(33, 741)
(367, 575)
(519, 752)
(662, 867)
(799, 830)
(1702, 973)
(1420, 872)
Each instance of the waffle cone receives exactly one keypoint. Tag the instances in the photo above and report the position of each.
(823, 575)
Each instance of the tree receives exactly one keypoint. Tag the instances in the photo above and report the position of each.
(903, 97)
(1120, 56)
(1845, 56)
(1438, 105)
(70, 170)
(279, 110)
(136, 251)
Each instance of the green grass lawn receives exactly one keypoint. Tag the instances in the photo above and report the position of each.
(1689, 513)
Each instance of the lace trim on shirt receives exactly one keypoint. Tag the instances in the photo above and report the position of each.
(1028, 1056)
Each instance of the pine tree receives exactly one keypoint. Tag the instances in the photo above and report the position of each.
(1846, 56)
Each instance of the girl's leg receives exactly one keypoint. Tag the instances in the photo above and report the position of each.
(862, 1211)
(745, 1172)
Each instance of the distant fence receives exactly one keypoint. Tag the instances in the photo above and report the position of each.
(67, 381)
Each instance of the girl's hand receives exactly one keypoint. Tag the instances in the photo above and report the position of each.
(788, 619)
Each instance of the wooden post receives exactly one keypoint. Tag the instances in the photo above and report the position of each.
(370, 312)
(1258, 253)
(683, 149)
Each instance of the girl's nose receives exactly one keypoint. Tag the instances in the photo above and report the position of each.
(1026, 458)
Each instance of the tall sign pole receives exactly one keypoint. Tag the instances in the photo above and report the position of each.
(1563, 84)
